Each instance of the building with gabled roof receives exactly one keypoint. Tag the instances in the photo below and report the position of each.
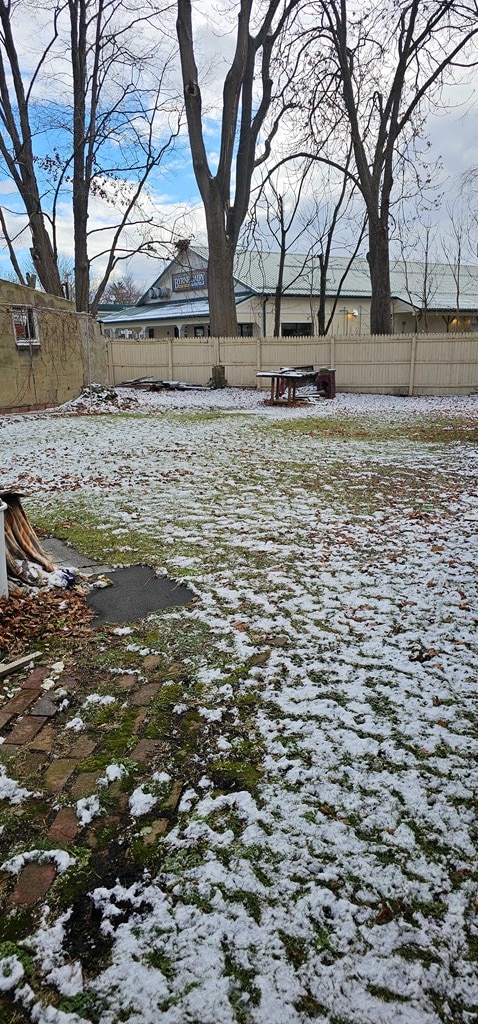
(435, 298)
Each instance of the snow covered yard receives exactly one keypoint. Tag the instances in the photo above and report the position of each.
(323, 861)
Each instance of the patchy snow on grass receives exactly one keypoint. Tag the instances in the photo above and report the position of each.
(113, 772)
(99, 699)
(328, 870)
(11, 972)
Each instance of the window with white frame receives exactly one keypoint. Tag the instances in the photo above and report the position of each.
(25, 327)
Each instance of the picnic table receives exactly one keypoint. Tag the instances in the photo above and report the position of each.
(284, 382)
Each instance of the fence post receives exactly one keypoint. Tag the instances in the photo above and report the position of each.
(413, 356)
(217, 351)
(332, 352)
(258, 358)
(170, 358)
(110, 366)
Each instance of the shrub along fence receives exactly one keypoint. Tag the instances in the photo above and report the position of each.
(413, 364)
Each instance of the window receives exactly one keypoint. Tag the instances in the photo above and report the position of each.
(296, 330)
(25, 327)
(245, 330)
(150, 332)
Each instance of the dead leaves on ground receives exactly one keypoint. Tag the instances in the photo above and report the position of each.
(27, 618)
(422, 654)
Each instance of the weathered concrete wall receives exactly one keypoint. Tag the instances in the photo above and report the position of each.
(94, 351)
(67, 353)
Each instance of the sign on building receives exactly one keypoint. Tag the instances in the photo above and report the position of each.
(189, 280)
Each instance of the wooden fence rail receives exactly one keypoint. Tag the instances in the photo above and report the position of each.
(413, 364)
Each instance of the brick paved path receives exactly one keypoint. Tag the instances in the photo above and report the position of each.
(41, 755)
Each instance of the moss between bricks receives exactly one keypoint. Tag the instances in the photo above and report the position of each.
(115, 847)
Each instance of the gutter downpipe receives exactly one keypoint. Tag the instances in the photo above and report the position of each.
(264, 315)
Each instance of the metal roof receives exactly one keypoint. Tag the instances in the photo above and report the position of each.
(408, 280)
(260, 271)
(440, 286)
(180, 310)
(257, 273)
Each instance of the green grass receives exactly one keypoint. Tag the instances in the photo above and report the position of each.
(86, 1005)
(311, 1007)
(242, 982)
(433, 429)
(297, 948)
(75, 522)
(386, 995)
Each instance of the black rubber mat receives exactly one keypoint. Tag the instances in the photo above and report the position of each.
(136, 591)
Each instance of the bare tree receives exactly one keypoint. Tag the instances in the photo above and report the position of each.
(16, 145)
(336, 209)
(377, 69)
(453, 250)
(110, 119)
(9, 242)
(421, 274)
(124, 291)
(299, 209)
(278, 217)
(457, 244)
(469, 190)
(247, 96)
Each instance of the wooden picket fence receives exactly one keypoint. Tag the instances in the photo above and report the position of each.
(412, 364)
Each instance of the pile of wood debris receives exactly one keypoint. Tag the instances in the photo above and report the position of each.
(23, 551)
(33, 613)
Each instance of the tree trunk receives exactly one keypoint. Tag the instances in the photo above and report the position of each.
(222, 306)
(322, 296)
(222, 303)
(43, 256)
(277, 310)
(82, 266)
(278, 295)
(11, 250)
(247, 93)
(79, 50)
(42, 252)
(379, 263)
(19, 158)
